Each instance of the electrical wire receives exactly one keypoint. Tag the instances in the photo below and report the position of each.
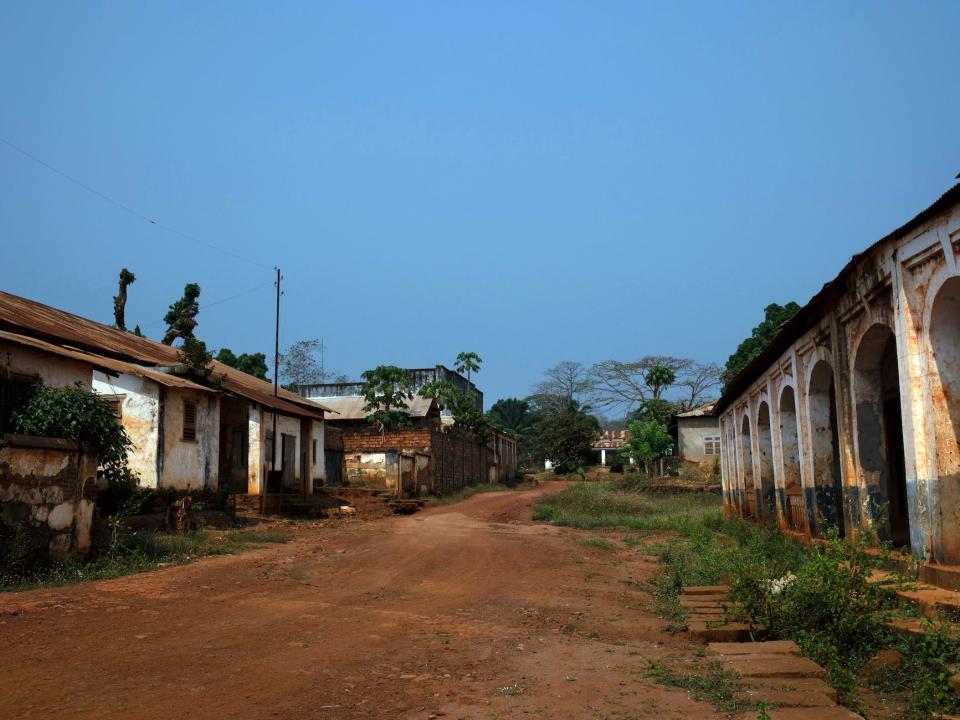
(206, 306)
(127, 208)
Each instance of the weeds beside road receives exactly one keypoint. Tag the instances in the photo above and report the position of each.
(820, 596)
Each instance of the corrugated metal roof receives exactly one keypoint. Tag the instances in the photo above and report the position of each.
(808, 315)
(33, 319)
(705, 410)
(102, 363)
(350, 407)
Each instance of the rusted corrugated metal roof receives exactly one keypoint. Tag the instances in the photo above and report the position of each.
(109, 365)
(33, 319)
(702, 411)
(810, 313)
(350, 407)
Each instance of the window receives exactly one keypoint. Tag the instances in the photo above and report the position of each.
(189, 420)
(314, 452)
(14, 391)
(116, 405)
(268, 450)
(711, 444)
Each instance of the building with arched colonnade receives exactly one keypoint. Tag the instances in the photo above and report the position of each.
(850, 419)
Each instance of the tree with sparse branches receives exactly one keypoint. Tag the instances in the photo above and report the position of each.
(628, 385)
(299, 364)
(127, 278)
(566, 383)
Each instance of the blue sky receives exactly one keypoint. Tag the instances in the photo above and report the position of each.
(532, 181)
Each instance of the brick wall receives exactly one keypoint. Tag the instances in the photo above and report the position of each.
(369, 439)
(458, 460)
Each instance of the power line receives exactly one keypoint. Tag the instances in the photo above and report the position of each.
(220, 302)
(128, 209)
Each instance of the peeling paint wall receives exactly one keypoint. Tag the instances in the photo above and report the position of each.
(140, 415)
(261, 426)
(876, 418)
(190, 464)
(52, 370)
(47, 490)
(690, 438)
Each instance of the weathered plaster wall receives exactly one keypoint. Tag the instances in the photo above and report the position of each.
(47, 491)
(897, 296)
(690, 434)
(52, 370)
(140, 414)
(189, 464)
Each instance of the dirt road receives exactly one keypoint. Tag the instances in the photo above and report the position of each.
(465, 611)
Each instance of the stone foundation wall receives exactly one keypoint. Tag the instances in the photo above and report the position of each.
(47, 491)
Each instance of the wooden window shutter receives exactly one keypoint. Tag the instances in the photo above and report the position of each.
(189, 420)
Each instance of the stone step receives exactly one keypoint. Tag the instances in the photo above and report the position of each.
(931, 601)
(709, 631)
(773, 665)
(769, 647)
(706, 590)
(813, 686)
(704, 601)
(816, 713)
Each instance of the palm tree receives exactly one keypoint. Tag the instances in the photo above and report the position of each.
(468, 362)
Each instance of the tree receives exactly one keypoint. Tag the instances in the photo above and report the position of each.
(251, 363)
(181, 317)
(566, 383)
(193, 353)
(620, 384)
(461, 405)
(512, 415)
(127, 278)
(518, 418)
(760, 337)
(75, 413)
(648, 441)
(566, 438)
(299, 364)
(386, 389)
(468, 362)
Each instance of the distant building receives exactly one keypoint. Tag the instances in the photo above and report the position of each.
(419, 377)
(698, 435)
(427, 456)
(610, 441)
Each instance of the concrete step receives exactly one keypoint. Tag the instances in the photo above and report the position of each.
(931, 601)
(769, 647)
(709, 631)
(706, 590)
(773, 665)
(813, 686)
(816, 713)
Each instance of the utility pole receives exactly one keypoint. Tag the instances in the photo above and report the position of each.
(276, 388)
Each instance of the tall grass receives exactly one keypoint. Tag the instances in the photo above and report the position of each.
(617, 503)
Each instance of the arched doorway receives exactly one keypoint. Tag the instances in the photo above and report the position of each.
(945, 344)
(768, 490)
(825, 447)
(790, 446)
(876, 385)
(746, 469)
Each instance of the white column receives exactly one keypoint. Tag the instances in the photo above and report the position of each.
(603, 457)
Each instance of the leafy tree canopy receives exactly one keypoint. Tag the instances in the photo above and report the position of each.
(468, 362)
(648, 441)
(251, 363)
(75, 413)
(194, 354)
(630, 384)
(387, 388)
(566, 438)
(760, 337)
(181, 317)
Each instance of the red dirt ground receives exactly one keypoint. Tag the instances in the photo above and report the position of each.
(464, 611)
